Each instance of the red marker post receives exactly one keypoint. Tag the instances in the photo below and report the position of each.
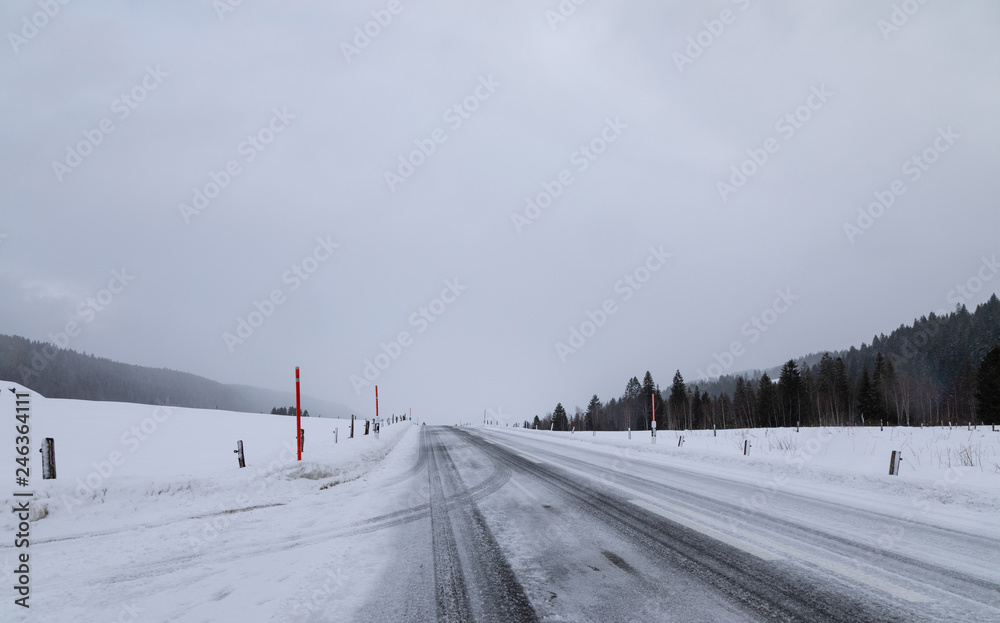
(652, 398)
(376, 403)
(298, 414)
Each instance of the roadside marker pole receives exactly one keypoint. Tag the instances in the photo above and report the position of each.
(298, 413)
(652, 398)
(376, 403)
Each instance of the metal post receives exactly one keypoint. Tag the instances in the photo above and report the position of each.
(302, 442)
(336, 434)
(352, 427)
(746, 445)
(48, 451)
(239, 453)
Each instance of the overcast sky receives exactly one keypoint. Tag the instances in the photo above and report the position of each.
(638, 132)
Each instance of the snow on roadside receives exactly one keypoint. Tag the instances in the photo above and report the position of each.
(123, 464)
(151, 517)
(949, 476)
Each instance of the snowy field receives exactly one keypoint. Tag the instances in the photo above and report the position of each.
(137, 483)
(122, 462)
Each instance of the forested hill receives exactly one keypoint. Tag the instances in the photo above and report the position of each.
(940, 354)
(59, 373)
(939, 369)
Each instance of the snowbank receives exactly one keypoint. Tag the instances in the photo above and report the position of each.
(129, 464)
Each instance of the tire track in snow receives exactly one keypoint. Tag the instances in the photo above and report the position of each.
(479, 566)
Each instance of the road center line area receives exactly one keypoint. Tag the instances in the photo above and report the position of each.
(518, 530)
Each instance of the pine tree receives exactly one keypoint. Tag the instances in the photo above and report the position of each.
(766, 402)
(593, 419)
(707, 410)
(879, 389)
(726, 411)
(842, 391)
(632, 404)
(988, 387)
(745, 403)
(677, 403)
(790, 393)
(559, 419)
(697, 410)
(648, 395)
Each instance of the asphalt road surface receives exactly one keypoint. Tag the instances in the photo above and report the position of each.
(506, 527)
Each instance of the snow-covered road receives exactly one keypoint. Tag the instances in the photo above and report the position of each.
(480, 524)
(521, 529)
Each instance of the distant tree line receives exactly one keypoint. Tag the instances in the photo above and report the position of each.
(62, 373)
(288, 411)
(939, 369)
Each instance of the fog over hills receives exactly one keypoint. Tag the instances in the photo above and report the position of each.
(61, 373)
